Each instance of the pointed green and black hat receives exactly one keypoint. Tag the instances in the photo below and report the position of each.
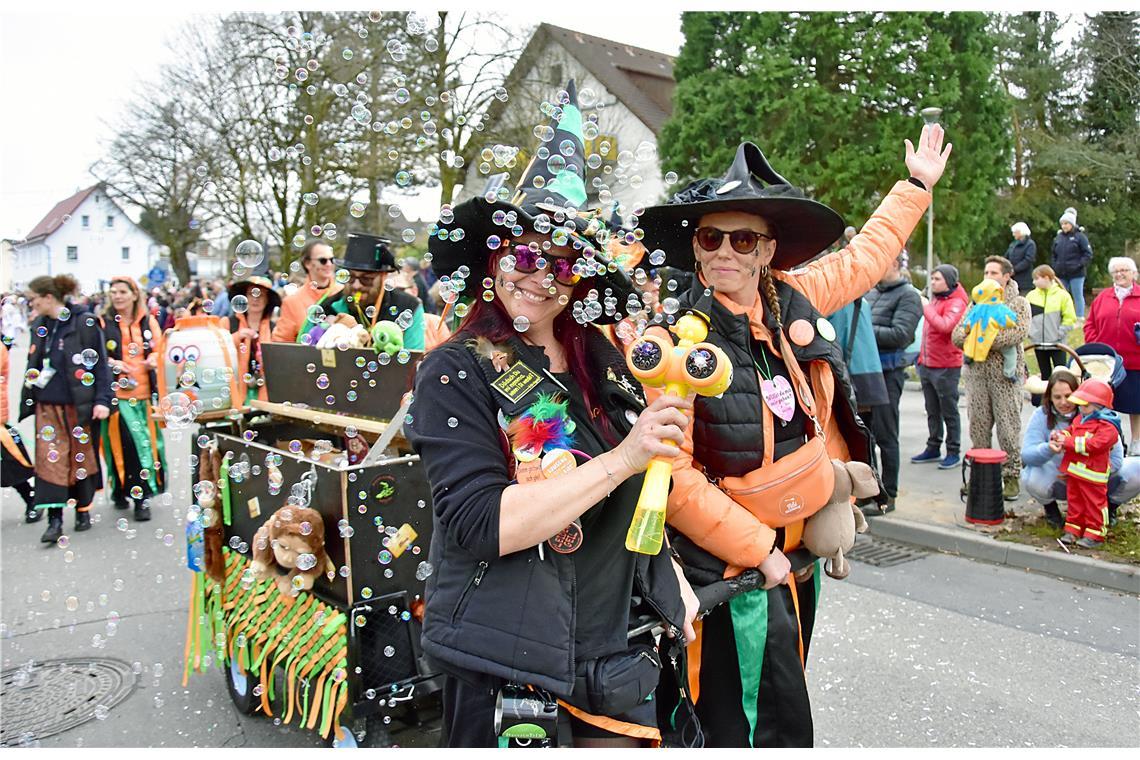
(550, 199)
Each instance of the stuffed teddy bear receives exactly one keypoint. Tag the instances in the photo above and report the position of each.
(830, 532)
(343, 330)
(290, 548)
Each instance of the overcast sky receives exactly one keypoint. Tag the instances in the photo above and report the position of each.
(67, 76)
(68, 69)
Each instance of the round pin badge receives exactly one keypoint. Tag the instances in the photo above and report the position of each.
(801, 332)
(568, 540)
(825, 328)
(557, 462)
(527, 453)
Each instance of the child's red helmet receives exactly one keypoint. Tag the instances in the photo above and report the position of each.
(1093, 392)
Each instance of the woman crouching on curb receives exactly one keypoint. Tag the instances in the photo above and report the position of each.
(757, 459)
(1041, 471)
(534, 437)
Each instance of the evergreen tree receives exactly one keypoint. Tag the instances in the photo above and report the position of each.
(829, 97)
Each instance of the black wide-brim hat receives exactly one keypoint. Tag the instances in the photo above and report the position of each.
(242, 287)
(367, 253)
(802, 227)
(549, 201)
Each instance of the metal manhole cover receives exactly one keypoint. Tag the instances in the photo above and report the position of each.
(41, 699)
(882, 553)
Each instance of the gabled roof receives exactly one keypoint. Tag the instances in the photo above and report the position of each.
(55, 218)
(641, 79)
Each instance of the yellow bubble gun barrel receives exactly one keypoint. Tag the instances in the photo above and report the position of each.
(689, 366)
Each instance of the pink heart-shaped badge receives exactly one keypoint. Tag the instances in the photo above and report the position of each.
(779, 397)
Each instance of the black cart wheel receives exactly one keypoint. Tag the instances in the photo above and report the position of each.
(240, 686)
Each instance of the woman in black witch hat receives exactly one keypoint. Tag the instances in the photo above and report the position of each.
(756, 460)
(534, 437)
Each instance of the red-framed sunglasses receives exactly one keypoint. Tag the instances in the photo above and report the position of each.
(527, 261)
(742, 241)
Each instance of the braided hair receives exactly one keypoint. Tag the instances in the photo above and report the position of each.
(771, 297)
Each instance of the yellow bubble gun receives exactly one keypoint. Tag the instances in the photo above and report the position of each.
(691, 365)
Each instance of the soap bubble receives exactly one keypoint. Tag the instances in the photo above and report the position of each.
(239, 304)
(89, 357)
(177, 409)
(521, 323)
(356, 209)
(424, 571)
(249, 253)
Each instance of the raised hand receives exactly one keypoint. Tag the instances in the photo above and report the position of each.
(929, 161)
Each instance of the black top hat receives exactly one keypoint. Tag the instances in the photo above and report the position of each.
(367, 253)
(549, 200)
(802, 227)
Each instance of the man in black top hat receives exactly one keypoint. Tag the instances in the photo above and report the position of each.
(369, 262)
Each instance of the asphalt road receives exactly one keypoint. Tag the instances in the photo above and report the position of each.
(936, 652)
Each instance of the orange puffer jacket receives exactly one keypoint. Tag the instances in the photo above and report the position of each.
(699, 509)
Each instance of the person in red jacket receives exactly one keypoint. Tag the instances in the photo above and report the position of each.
(940, 367)
(1114, 319)
(1084, 464)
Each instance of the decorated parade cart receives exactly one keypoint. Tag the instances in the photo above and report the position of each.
(309, 541)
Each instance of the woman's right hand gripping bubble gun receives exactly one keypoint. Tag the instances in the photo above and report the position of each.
(691, 365)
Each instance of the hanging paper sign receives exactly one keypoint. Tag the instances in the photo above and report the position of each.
(403, 539)
(779, 397)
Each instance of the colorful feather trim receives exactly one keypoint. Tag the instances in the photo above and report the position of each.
(546, 425)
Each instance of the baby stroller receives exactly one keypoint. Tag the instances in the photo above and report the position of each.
(1092, 360)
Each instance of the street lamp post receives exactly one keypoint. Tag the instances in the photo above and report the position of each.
(930, 116)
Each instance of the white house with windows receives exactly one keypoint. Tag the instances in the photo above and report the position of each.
(630, 89)
(89, 236)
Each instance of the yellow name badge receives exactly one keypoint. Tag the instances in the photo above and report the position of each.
(254, 507)
(516, 382)
(328, 357)
(403, 539)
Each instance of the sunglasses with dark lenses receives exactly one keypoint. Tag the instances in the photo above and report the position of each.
(323, 260)
(526, 261)
(742, 241)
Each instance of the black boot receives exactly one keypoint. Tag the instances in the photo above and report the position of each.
(82, 521)
(1112, 513)
(32, 515)
(1053, 515)
(142, 511)
(120, 502)
(55, 526)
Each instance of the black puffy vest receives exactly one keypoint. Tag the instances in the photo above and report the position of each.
(726, 429)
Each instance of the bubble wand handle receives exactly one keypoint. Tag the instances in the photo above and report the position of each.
(647, 529)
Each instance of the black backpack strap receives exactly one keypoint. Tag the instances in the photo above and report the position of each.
(854, 327)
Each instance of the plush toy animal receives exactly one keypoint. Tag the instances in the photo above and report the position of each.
(343, 331)
(830, 532)
(209, 499)
(290, 548)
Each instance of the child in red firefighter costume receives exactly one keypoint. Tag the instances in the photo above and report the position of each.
(1086, 445)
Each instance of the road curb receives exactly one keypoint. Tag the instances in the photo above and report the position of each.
(961, 541)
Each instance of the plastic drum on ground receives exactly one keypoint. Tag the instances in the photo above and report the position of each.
(984, 503)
